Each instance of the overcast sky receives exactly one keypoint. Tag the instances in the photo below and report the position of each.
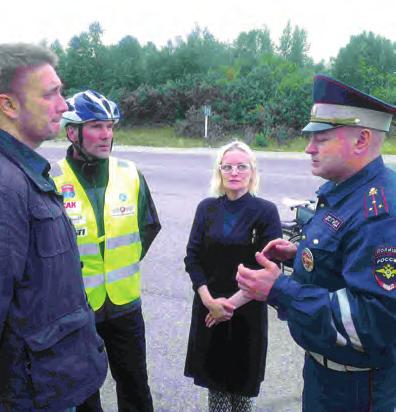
(329, 23)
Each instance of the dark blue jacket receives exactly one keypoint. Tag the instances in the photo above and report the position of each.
(340, 301)
(50, 355)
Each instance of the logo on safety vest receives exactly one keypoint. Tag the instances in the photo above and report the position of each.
(68, 191)
(122, 211)
(72, 206)
(123, 197)
(78, 219)
(82, 231)
(307, 259)
(385, 267)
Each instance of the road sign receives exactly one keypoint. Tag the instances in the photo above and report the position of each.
(207, 110)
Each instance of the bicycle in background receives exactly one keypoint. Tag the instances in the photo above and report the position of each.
(292, 229)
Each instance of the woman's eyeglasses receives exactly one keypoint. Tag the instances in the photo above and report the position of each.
(239, 168)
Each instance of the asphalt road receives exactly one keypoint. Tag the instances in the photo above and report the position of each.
(178, 181)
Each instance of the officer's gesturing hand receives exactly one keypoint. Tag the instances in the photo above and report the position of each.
(257, 284)
(280, 250)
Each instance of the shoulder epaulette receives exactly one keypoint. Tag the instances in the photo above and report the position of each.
(375, 203)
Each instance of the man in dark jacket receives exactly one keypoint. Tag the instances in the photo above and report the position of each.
(51, 358)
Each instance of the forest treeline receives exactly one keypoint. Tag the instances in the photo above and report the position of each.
(255, 86)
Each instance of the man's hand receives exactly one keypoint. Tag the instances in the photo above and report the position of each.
(257, 284)
(279, 249)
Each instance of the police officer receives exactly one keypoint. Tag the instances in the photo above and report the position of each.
(340, 302)
(51, 357)
(109, 202)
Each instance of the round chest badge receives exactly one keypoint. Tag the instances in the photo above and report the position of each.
(307, 260)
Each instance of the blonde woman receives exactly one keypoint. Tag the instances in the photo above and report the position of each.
(228, 335)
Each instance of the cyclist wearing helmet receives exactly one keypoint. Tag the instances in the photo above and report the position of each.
(110, 204)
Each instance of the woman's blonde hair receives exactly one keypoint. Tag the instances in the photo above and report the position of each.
(216, 183)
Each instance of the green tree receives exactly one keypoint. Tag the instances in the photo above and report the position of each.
(84, 65)
(251, 45)
(285, 41)
(200, 53)
(124, 66)
(299, 47)
(293, 45)
(367, 62)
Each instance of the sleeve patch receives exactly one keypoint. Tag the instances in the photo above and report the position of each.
(385, 267)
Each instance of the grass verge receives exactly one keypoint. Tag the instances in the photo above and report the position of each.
(164, 136)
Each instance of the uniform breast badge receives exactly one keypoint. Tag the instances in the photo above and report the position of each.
(307, 259)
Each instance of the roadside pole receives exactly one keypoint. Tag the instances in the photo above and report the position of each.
(207, 112)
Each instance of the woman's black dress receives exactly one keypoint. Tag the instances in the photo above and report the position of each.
(231, 356)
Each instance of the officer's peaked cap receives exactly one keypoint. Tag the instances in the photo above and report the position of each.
(336, 104)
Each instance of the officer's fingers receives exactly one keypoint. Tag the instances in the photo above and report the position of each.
(245, 273)
(242, 284)
(284, 245)
(269, 246)
(245, 285)
(263, 261)
(287, 250)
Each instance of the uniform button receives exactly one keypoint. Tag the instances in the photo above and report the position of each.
(303, 237)
(321, 205)
(315, 241)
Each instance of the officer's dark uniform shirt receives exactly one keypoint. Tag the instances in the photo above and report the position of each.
(50, 355)
(340, 301)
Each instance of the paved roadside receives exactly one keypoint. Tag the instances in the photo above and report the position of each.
(198, 151)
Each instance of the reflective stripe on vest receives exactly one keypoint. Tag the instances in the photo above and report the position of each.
(89, 249)
(93, 248)
(93, 281)
(117, 274)
(114, 276)
(122, 240)
(122, 273)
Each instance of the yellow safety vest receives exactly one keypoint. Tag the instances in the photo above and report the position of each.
(117, 274)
